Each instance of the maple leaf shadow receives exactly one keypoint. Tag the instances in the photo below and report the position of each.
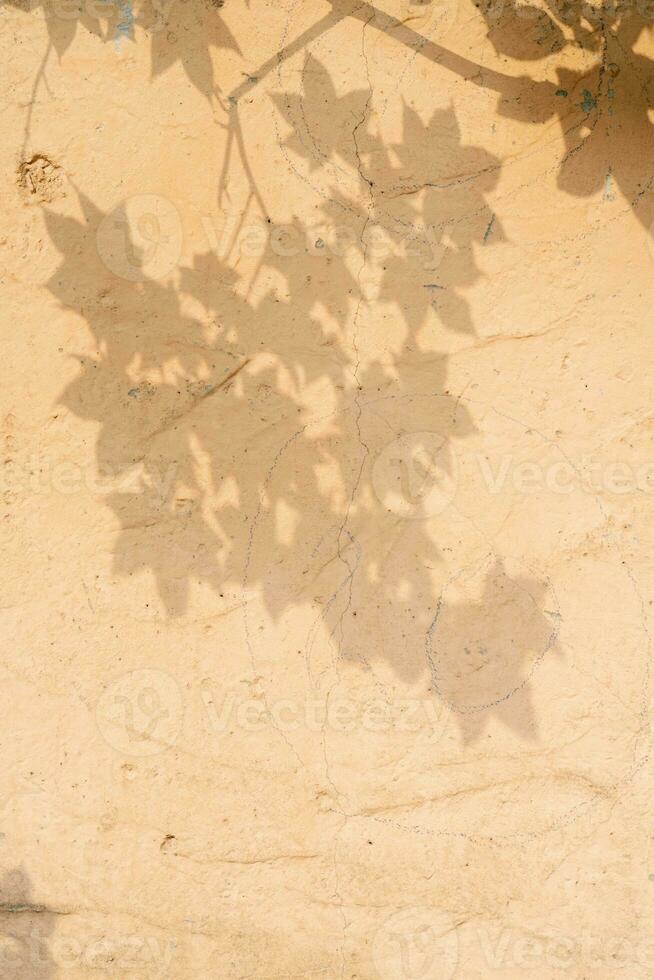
(27, 929)
(191, 31)
(484, 652)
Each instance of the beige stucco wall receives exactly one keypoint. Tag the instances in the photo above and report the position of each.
(328, 473)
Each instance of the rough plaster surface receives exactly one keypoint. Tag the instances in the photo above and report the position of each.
(328, 470)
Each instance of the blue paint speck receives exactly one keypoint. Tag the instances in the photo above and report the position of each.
(125, 26)
(589, 102)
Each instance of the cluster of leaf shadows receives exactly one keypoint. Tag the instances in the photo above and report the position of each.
(218, 407)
